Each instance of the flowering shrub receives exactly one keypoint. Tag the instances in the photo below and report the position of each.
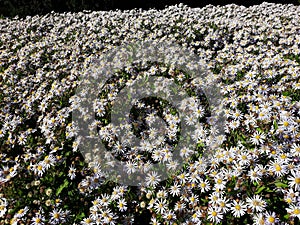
(252, 178)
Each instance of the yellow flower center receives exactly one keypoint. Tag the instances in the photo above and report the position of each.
(271, 219)
(277, 167)
(297, 180)
(296, 211)
(237, 207)
(283, 156)
(289, 200)
(214, 213)
(255, 203)
(95, 202)
(21, 211)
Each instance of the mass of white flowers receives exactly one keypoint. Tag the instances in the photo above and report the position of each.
(253, 54)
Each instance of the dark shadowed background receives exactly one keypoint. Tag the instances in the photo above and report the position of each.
(22, 8)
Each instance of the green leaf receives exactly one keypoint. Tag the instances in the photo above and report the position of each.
(259, 129)
(260, 189)
(80, 216)
(62, 186)
(275, 124)
(286, 93)
(269, 190)
(281, 185)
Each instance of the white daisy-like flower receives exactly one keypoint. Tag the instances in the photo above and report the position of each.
(258, 219)
(258, 138)
(3, 205)
(38, 220)
(87, 221)
(270, 218)
(294, 211)
(152, 179)
(154, 221)
(175, 189)
(160, 205)
(220, 182)
(255, 174)
(204, 185)
(214, 214)
(256, 203)
(238, 208)
(122, 205)
(223, 204)
(278, 167)
(294, 180)
(295, 149)
(72, 172)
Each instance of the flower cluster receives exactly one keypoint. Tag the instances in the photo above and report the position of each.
(253, 55)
